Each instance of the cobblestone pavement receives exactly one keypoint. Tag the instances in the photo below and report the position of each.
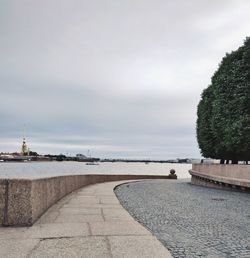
(191, 221)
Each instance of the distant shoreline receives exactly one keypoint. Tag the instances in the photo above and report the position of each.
(102, 161)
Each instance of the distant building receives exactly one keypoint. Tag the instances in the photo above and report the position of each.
(210, 161)
(24, 149)
(195, 161)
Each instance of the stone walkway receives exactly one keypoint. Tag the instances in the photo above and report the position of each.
(87, 223)
(191, 221)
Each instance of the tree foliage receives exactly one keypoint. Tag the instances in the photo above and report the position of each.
(223, 123)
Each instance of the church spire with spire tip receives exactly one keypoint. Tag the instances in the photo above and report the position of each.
(24, 149)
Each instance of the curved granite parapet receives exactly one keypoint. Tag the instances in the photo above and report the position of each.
(23, 201)
(221, 176)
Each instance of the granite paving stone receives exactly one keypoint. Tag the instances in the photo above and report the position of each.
(12, 233)
(77, 218)
(109, 200)
(49, 217)
(89, 205)
(88, 223)
(54, 230)
(112, 228)
(85, 211)
(116, 214)
(85, 199)
(72, 248)
(136, 247)
(17, 248)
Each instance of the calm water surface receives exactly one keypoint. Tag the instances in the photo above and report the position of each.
(44, 169)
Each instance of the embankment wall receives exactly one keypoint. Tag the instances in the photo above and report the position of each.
(23, 201)
(221, 176)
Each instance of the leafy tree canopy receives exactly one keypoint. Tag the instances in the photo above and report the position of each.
(223, 114)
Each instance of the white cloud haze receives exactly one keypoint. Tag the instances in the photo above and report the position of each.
(121, 78)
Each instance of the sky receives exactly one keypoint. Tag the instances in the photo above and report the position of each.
(119, 78)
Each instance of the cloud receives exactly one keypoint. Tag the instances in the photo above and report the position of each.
(121, 78)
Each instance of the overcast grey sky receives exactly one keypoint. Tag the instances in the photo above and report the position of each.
(121, 78)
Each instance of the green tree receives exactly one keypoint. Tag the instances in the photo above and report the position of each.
(33, 153)
(228, 109)
(205, 135)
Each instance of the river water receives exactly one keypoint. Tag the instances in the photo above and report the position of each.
(45, 169)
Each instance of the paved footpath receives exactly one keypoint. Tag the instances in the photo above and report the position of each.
(191, 221)
(87, 223)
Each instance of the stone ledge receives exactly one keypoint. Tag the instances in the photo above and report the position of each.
(236, 177)
(23, 201)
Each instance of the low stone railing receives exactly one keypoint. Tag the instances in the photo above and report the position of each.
(23, 201)
(221, 176)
